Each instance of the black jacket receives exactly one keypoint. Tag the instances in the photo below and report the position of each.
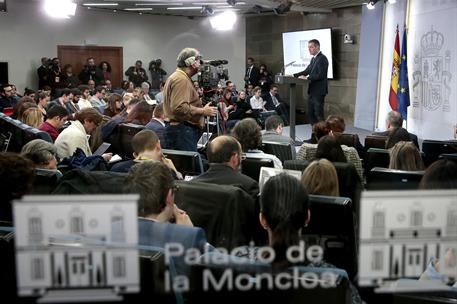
(317, 71)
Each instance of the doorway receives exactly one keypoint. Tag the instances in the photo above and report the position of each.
(76, 55)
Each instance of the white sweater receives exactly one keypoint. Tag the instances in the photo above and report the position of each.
(71, 138)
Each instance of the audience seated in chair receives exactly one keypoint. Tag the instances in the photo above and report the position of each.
(247, 132)
(442, 174)
(224, 155)
(337, 127)
(157, 209)
(146, 147)
(405, 156)
(320, 178)
(274, 103)
(157, 123)
(114, 106)
(395, 132)
(75, 136)
(274, 126)
(16, 179)
(109, 127)
(56, 118)
(320, 129)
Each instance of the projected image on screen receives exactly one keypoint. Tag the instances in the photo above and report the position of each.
(295, 49)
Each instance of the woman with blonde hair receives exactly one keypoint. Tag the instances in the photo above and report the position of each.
(33, 117)
(320, 178)
(405, 156)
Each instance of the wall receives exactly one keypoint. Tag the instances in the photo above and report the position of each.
(264, 43)
(27, 34)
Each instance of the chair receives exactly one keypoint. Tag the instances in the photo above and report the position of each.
(121, 139)
(376, 158)
(45, 181)
(284, 151)
(348, 139)
(389, 179)
(333, 227)
(90, 182)
(251, 166)
(348, 180)
(375, 141)
(434, 148)
(187, 162)
(226, 213)
(258, 290)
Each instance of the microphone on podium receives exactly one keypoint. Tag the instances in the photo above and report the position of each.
(287, 65)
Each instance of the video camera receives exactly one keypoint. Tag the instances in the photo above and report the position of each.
(212, 74)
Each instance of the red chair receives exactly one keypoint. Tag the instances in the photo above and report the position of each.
(8, 111)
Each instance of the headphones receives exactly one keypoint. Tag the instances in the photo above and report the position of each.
(191, 60)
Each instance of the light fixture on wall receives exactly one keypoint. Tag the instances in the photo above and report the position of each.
(60, 8)
(224, 21)
(371, 4)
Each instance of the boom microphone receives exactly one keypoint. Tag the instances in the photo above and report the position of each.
(215, 62)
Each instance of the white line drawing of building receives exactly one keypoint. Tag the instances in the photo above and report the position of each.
(401, 230)
(67, 246)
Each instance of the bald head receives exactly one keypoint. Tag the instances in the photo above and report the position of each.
(222, 148)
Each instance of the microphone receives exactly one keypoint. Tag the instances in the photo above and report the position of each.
(284, 67)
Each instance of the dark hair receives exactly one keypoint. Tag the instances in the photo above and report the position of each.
(315, 42)
(247, 132)
(250, 58)
(16, 179)
(158, 110)
(442, 174)
(65, 67)
(139, 61)
(83, 87)
(108, 69)
(39, 96)
(273, 122)
(228, 82)
(336, 123)
(65, 92)
(144, 140)
(141, 114)
(152, 181)
(396, 135)
(89, 114)
(320, 129)
(111, 109)
(274, 85)
(23, 105)
(221, 149)
(57, 111)
(329, 148)
(76, 92)
(99, 89)
(28, 92)
(284, 205)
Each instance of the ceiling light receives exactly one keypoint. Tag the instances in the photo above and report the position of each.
(185, 8)
(100, 4)
(157, 4)
(370, 5)
(60, 8)
(224, 21)
(231, 2)
(392, 1)
(137, 9)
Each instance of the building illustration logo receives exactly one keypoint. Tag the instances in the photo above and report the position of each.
(431, 73)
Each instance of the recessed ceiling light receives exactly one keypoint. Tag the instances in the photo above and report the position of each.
(138, 9)
(100, 4)
(185, 8)
(157, 4)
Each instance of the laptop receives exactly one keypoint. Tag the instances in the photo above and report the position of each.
(102, 148)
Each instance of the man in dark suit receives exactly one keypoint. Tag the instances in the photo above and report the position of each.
(156, 209)
(224, 155)
(91, 72)
(43, 72)
(157, 124)
(394, 122)
(274, 103)
(316, 73)
(252, 75)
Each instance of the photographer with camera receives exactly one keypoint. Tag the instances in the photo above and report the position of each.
(183, 106)
(157, 75)
(91, 72)
(137, 74)
(55, 76)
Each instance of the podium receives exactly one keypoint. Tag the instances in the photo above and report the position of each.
(292, 82)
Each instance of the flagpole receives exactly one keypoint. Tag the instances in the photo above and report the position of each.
(381, 63)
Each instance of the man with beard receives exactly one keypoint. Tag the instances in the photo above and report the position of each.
(183, 106)
(224, 156)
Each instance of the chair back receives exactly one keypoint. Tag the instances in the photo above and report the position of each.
(375, 141)
(434, 148)
(390, 179)
(376, 158)
(283, 151)
(251, 166)
(187, 162)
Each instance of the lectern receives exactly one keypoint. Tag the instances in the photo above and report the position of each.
(292, 82)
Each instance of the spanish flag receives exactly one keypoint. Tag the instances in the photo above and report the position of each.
(393, 98)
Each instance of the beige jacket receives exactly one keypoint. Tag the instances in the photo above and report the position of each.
(71, 138)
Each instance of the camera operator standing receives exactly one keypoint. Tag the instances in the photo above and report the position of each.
(43, 72)
(182, 104)
(91, 72)
(157, 75)
(137, 74)
(55, 75)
